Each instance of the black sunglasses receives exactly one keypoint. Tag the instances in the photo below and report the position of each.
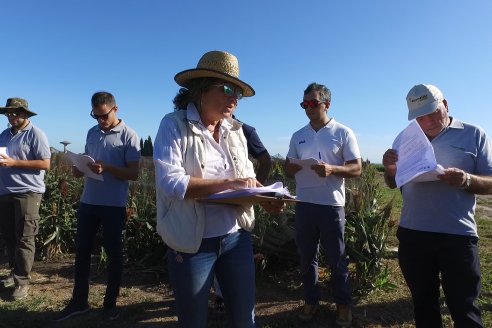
(10, 115)
(102, 116)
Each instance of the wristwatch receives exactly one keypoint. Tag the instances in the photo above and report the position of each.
(467, 183)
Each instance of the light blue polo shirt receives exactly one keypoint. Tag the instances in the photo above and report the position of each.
(435, 206)
(333, 144)
(29, 143)
(118, 146)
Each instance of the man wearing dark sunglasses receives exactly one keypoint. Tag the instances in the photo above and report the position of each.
(115, 148)
(24, 157)
(320, 215)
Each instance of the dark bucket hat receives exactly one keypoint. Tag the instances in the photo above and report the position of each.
(14, 104)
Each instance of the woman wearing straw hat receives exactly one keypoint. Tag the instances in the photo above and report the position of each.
(200, 150)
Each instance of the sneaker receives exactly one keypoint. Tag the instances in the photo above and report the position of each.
(344, 315)
(8, 281)
(111, 313)
(20, 292)
(72, 309)
(308, 311)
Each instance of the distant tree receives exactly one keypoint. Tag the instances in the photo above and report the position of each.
(150, 146)
(146, 148)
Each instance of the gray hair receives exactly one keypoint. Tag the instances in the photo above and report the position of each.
(324, 92)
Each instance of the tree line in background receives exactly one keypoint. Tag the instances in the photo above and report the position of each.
(368, 223)
(146, 147)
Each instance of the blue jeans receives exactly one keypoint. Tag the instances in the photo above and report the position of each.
(428, 260)
(191, 275)
(89, 219)
(326, 224)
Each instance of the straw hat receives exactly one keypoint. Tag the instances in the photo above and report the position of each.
(15, 104)
(218, 64)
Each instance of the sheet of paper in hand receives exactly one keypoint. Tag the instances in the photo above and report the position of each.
(3, 151)
(80, 161)
(273, 192)
(416, 158)
(307, 177)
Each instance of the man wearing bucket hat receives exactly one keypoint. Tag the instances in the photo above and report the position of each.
(200, 150)
(24, 157)
(437, 232)
(320, 213)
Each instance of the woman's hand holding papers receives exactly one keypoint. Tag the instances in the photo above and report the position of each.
(243, 183)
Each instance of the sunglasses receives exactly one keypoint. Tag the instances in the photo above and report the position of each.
(311, 103)
(102, 116)
(231, 91)
(12, 115)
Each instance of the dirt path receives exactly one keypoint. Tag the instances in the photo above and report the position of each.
(484, 206)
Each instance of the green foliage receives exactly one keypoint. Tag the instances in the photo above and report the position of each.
(59, 206)
(58, 209)
(378, 167)
(273, 235)
(366, 231)
(142, 244)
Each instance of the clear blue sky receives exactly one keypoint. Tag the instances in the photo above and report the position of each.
(56, 54)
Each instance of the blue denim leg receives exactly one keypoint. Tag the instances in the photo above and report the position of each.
(235, 272)
(307, 240)
(326, 224)
(191, 275)
(333, 242)
(89, 219)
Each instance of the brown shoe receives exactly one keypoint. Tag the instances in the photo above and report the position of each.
(344, 315)
(308, 311)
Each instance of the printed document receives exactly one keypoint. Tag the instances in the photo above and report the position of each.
(3, 151)
(307, 177)
(416, 158)
(80, 161)
(273, 192)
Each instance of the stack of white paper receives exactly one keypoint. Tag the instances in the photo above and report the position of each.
(416, 158)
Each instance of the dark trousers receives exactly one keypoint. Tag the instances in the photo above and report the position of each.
(19, 223)
(428, 260)
(89, 219)
(326, 224)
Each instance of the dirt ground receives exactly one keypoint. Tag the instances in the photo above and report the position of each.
(146, 299)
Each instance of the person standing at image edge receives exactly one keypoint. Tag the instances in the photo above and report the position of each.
(22, 170)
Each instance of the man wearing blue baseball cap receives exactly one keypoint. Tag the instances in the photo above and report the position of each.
(438, 233)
